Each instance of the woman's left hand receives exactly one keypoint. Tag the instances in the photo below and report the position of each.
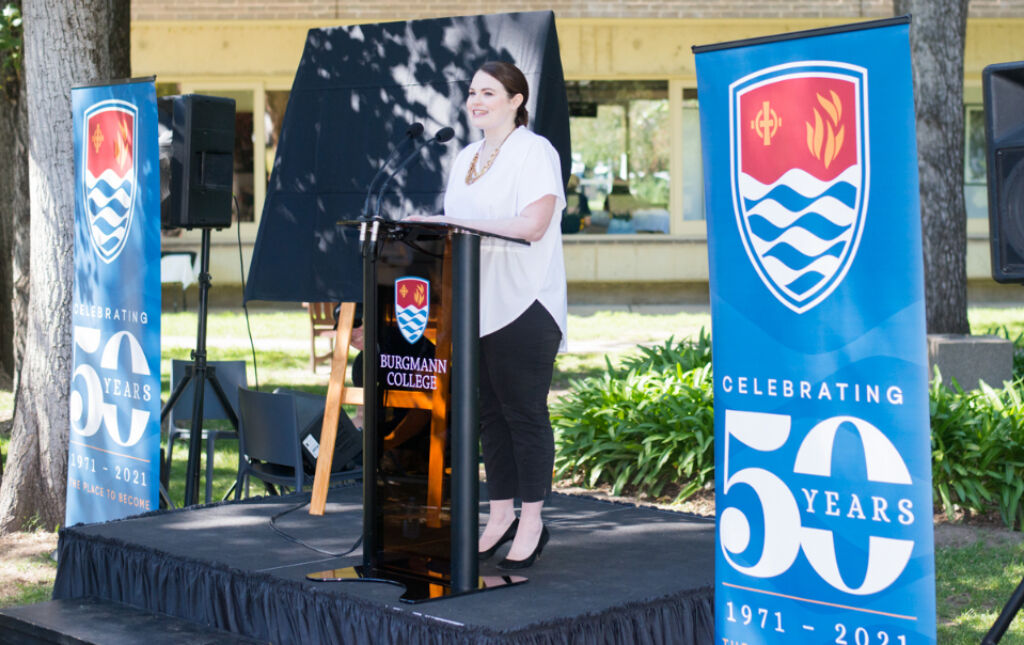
(425, 218)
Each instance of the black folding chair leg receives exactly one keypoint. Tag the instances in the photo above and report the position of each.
(234, 487)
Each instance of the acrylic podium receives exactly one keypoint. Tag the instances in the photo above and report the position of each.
(420, 437)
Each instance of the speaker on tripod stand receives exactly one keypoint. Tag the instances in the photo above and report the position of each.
(201, 164)
(1003, 88)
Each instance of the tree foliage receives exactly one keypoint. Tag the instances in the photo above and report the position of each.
(600, 143)
(10, 48)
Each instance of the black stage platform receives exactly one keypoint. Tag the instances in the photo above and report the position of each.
(612, 573)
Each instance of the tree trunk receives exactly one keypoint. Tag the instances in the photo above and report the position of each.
(14, 227)
(937, 32)
(67, 42)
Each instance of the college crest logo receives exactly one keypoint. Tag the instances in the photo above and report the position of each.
(412, 307)
(799, 172)
(110, 175)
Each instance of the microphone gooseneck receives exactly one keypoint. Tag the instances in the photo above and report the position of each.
(442, 136)
(412, 133)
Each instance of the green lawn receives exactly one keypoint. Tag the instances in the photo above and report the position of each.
(973, 581)
(1010, 317)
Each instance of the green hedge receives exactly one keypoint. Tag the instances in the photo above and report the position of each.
(649, 423)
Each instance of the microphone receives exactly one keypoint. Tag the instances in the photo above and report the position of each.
(443, 136)
(411, 134)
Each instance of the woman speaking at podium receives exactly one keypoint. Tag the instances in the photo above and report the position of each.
(510, 183)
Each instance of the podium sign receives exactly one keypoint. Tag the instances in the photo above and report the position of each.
(114, 445)
(413, 368)
(823, 460)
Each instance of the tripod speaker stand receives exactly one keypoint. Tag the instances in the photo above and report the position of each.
(199, 376)
(201, 167)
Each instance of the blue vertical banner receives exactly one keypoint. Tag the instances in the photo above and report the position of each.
(822, 450)
(114, 445)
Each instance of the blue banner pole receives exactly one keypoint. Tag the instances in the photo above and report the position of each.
(822, 449)
(114, 444)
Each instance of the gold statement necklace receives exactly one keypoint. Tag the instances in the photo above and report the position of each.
(472, 175)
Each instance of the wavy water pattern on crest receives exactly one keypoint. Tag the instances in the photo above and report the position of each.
(814, 223)
(779, 216)
(801, 245)
(825, 265)
(412, 322)
(108, 200)
(792, 200)
(107, 220)
(801, 227)
(104, 191)
(800, 181)
(120, 200)
(109, 242)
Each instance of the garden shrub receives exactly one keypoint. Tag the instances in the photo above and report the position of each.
(978, 449)
(647, 424)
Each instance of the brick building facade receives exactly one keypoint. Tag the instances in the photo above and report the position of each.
(368, 10)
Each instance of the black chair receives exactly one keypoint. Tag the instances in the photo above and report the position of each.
(230, 375)
(269, 448)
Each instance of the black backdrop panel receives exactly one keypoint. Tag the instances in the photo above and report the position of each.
(356, 91)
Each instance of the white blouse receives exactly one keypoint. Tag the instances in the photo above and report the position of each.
(513, 275)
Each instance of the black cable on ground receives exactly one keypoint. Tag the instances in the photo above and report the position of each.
(292, 538)
(245, 307)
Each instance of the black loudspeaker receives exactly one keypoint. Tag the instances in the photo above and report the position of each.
(309, 418)
(1003, 87)
(348, 444)
(198, 138)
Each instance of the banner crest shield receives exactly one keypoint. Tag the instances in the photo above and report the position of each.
(412, 307)
(799, 171)
(110, 175)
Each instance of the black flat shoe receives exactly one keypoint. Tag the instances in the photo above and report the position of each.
(509, 565)
(510, 533)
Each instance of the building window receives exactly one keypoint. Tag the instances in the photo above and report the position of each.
(621, 143)
(975, 188)
(692, 168)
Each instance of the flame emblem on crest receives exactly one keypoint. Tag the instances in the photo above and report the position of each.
(816, 134)
(122, 145)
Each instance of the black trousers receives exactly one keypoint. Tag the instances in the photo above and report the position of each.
(516, 363)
